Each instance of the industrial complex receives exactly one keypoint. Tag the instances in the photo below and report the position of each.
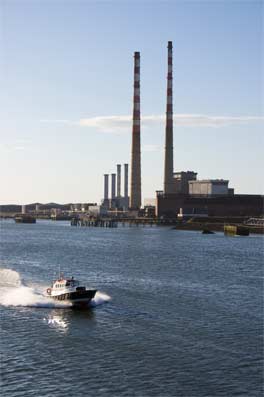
(183, 195)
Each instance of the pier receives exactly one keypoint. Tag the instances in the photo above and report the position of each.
(111, 223)
(84, 221)
(197, 224)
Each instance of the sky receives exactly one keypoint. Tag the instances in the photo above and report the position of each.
(66, 72)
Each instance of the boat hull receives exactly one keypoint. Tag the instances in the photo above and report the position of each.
(76, 298)
(24, 219)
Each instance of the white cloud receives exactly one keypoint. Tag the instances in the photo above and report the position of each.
(195, 120)
(119, 124)
(107, 123)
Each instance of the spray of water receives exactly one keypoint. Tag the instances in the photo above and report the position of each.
(13, 292)
(99, 299)
(9, 278)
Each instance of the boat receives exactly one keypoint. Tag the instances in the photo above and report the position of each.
(24, 218)
(207, 231)
(70, 290)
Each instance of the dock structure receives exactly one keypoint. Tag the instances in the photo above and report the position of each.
(115, 222)
(198, 224)
(236, 230)
(96, 222)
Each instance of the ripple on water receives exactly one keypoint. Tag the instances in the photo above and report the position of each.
(185, 318)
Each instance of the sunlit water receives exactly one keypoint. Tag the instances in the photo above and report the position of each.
(178, 313)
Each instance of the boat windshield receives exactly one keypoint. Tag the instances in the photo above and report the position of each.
(72, 283)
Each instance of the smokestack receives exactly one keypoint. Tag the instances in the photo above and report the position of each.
(118, 180)
(113, 196)
(126, 180)
(23, 209)
(135, 192)
(106, 186)
(168, 168)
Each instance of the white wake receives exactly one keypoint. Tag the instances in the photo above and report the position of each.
(13, 292)
(99, 299)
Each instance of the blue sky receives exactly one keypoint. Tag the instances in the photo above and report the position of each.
(66, 72)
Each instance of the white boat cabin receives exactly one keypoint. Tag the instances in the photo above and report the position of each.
(65, 283)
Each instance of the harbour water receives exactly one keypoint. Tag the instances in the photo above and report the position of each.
(178, 313)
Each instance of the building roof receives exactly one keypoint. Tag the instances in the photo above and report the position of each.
(213, 181)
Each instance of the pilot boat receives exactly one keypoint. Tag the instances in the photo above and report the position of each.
(69, 290)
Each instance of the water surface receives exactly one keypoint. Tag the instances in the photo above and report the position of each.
(184, 319)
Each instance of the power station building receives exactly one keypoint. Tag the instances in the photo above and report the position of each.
(183, 193)
(237, 205)
(209, 187)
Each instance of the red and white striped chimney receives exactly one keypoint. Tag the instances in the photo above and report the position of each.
(135, 193)
(168, 168)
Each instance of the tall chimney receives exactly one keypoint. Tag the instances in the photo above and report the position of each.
(135, 191)
(106, 186)
(126, 180)
(113, 186)
(118, 180)
(168, 168)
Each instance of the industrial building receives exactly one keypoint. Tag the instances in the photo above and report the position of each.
(209, 187)
(181, 181)
(237, 205)
(183, 193)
